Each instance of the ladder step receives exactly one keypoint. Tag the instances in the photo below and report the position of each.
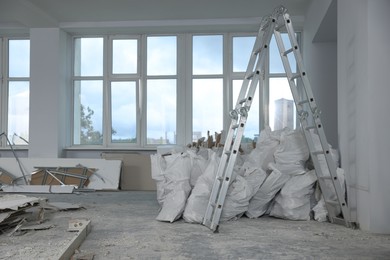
(242, 101)
(325, 177)
(235, 126)
(295, 76)
(318, 152)
(250, 76)
(303, 102)
(310, 127)
(287, 51)
(333, 202)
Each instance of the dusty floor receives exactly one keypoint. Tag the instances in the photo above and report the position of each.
(124, 227)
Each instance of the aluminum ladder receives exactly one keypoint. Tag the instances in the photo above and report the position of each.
(306, 108)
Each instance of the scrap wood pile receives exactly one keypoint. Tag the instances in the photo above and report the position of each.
(276, 179)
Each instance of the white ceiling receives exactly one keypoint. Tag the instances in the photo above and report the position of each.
(108, 13)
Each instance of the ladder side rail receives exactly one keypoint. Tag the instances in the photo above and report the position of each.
(219, 174)
(259, 69)
(250, 68)
(227, 176)
(315, 113)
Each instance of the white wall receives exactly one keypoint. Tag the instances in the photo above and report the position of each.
(48, 92)
(363, 101)
(320, 59)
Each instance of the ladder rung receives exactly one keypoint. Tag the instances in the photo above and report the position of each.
(257, 51)
(235, 126)
(318, 152)
(325, 177)
(252, 74)
(303, 102)
(332, 202)
(295, 76)
(310, 127)
(242, 101)
(287, 51)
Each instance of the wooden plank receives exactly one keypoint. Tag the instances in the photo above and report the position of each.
(84, 227)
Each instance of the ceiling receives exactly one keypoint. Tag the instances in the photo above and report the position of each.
(68, 14)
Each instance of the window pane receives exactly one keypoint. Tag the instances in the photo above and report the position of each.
(242, 49)
(275, 63)
(207, 54)
(88, 60)
(161, 111)
(252, 125)
(88, 112)
(207, 102)
(18, 111)
(124, 56)
(124, 112)
(161, 55)
(19, 58)
(282, 112)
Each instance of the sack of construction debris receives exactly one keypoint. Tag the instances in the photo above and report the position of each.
(266, 145)
(292, 152)
(199, 162)
(260, 202)
(173, 185)
(293, 200)
(241, 190)
(199, 198)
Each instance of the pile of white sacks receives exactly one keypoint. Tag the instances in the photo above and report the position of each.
(272, 179)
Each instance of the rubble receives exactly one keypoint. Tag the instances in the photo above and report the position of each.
(275, 178)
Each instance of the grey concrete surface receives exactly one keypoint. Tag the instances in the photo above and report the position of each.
(124, 227)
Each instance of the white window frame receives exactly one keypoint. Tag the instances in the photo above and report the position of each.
(5, 79)
(184, 79)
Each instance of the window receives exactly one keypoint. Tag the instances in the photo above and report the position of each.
(15, 90)
(141, 91)
(207, 85)
(161, 90)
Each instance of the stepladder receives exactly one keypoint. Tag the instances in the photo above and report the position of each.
(307, 111)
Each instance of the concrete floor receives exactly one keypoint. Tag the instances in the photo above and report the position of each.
(124, 227)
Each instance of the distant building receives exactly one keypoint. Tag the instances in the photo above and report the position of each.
(284, 114)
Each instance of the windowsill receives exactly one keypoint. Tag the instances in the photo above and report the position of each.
(116, 149)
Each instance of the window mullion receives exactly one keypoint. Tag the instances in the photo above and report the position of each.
(107, 58)
(142, 115)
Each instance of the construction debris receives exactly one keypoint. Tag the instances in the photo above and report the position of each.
(273, 179)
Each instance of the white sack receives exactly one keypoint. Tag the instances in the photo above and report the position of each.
(199, 198)
(292, 153)
(293, 201)
(158, 165)
(175, 186)
(260, 202)
(199, 162)
(266, 145)
(241, 190)
(320, 211)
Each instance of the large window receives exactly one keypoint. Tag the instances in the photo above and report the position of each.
(15, 90)
(141, 91)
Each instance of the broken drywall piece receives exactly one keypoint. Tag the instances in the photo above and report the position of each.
(6, 177)
(77, 176)
(62, 206)
(16, 201)
(39, 188)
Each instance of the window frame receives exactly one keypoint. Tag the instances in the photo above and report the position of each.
(184, 86)
(5, 80)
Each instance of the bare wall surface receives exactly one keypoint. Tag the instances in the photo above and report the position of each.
(363, 92)
(320, 58)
